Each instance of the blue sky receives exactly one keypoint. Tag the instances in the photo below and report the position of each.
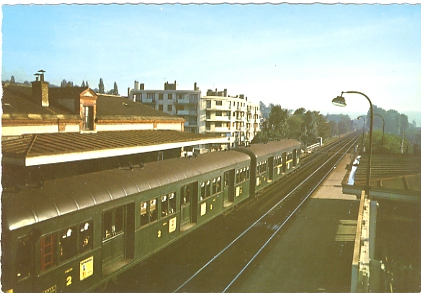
(292, 55)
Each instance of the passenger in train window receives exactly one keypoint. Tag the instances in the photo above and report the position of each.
(85, 236)
(67, 243)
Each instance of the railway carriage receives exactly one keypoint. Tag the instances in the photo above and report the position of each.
(270, 161)
(72, 234)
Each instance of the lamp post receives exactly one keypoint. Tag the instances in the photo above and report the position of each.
(340, 101)
(383, 129)
(363, 130)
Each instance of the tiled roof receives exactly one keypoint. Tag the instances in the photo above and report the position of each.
(17, 102)
(36, 149)
(390, 175)
(114, 107)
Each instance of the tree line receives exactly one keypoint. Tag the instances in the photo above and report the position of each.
(304, 125)
(68, 83)
(307, 126)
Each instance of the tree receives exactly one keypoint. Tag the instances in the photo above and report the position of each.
(115, 89)
(83, 84)
(277, 119)
(101, 86)
(294, 126)
(12, 79)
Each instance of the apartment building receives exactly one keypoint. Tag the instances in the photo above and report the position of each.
(182, 103)
(233, 117)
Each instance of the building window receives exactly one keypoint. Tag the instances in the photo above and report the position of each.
(193, 97)
(169, 108)
(88, 118)
(192, 121)
(219, 103)
(161, 96)
(150, 96)
(169, 96)
(208, 104)
(218, 113)
(161, 107)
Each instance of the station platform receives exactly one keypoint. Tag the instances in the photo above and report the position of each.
(314, 253)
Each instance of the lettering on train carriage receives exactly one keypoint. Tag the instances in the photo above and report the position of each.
(52, 289)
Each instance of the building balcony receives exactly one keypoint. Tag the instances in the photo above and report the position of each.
(186, 113)
(186, 102)
(218, 108)
(219, 118)
(148, 101)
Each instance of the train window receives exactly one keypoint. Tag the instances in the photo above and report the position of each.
(185, 195)
(153, 213)
(216, 185)
(226, 179)
(48, 251)
(107, 225)
(205, 189)
(168, 204)
(23, 259)
(119, 220)
(202, 190)
(237, 176)
(85, 236)
(67, 243)
(173, 203)
(164, 205)
(248, 173)
(144, 218)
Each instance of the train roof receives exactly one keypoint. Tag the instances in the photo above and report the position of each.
(62, 196)
(263, 149)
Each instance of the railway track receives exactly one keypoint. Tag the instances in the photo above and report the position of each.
(236, 257)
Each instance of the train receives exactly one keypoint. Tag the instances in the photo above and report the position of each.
(77, 233)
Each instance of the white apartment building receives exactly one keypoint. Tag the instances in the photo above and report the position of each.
(235, 118)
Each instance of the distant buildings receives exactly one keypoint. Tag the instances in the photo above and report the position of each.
(234, 118)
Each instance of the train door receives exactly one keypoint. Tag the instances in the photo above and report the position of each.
(284, 162)
(294, 157)
(189, 201)
(117, 238)
(229, 183)
(270, 168)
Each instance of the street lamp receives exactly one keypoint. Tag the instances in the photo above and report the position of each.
(383, 129)
(363, 129)
(340, 101)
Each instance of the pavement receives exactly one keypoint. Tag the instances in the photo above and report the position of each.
(314, 253)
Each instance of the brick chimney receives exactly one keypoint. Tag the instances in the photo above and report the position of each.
(40, 89)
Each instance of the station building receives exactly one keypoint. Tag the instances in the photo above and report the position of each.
(234, 118)
(51, 132)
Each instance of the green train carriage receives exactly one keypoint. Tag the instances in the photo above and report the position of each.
(76, 233)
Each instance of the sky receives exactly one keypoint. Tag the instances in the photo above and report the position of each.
(292, 55)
